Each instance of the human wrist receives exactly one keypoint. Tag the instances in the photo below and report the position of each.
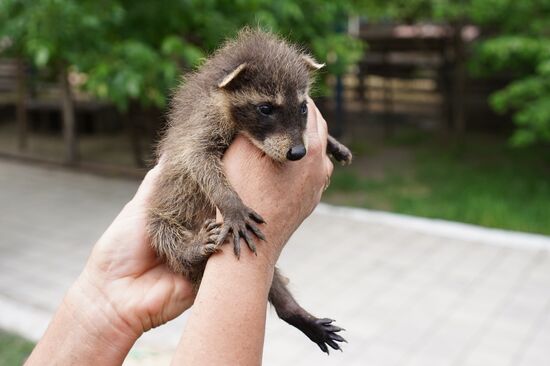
(83, 332)
(95, 312)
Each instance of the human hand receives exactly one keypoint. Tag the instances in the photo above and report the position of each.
(123, 291)
(126, 279)
(281, 193)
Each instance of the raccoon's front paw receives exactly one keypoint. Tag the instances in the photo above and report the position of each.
(239, 222)
(209, 234)
(342, 154)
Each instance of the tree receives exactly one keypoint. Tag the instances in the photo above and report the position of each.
(520, 47)
(135, 50)
(56, 34)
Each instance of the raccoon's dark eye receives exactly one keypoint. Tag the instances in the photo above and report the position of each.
(265, 109)
(303, 108)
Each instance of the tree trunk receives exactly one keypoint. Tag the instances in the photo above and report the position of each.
(21, 110)
(459, 81)
(132, 119)
(69, 123)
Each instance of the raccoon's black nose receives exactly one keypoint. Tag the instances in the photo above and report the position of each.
(296, 153)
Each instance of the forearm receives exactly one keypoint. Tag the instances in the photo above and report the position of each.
(227, 323)
(84, 331)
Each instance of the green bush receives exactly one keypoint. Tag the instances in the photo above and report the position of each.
(132, 50)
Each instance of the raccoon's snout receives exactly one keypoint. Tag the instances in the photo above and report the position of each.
(296, 153)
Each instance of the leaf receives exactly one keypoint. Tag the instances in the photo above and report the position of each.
(42, 56)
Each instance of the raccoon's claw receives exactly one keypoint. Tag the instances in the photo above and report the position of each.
(211, 224)
(249, 241)
(239, 228)
(257, 218)
(209, 249)
(236, 243)
(322, 332)
(255, 230)
(211, 231)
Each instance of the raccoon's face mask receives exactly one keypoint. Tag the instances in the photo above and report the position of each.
(275, 124)
(274, 118)
(280, 129)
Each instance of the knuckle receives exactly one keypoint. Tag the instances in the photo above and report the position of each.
(330, 167)
(314, 148)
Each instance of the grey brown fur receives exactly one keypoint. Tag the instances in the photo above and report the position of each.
(256, 85)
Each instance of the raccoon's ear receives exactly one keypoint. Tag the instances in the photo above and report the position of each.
(232, 75)
(311, 63)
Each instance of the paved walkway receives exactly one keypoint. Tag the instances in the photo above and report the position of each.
(409, 291)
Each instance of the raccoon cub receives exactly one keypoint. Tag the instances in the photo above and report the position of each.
(255, 85)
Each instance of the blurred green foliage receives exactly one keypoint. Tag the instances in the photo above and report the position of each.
(13, 349)
(132, 50)
(481, 180)
(517, 43)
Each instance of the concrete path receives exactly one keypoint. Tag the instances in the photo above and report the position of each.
(409, 291)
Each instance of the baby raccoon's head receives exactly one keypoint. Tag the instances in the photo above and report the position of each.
(265, 91)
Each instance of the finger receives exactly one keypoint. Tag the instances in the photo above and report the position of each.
(322, 130)
(242, 148)
(145, 189)
(312, 124)
(329, 166)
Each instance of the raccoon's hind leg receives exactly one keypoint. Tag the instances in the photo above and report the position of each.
(340, 152)
(320, 331)
(185, 251)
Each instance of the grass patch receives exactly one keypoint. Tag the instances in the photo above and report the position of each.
(13, 349)
(480, 181)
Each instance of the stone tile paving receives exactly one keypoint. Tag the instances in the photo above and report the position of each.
(405, 295)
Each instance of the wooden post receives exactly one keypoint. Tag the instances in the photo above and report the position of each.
(131, 118)
(338, 128)
(21, 109)
(69, 124)
(445, 82)
(459, 81)
(387, 97)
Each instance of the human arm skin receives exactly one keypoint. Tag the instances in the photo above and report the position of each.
(123, 291)
(227, 323)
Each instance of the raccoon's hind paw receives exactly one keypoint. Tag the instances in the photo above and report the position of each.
(239, 226)
(323, 332)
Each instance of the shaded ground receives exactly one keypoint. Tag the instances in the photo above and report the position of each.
(111, 148)
(407, 295)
